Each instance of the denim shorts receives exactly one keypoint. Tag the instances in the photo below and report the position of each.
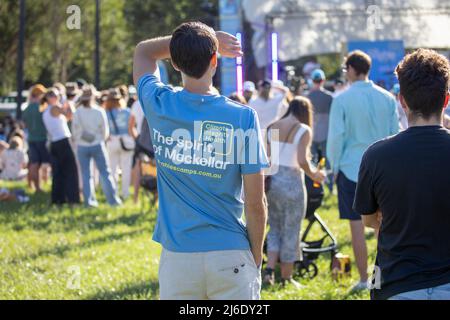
(38, 153)
(346, 196)
(435, 293)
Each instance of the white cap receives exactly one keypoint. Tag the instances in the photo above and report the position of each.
(249, 86)
(278, 83)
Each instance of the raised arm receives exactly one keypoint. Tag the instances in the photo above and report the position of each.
(303, 158)
(148, 52)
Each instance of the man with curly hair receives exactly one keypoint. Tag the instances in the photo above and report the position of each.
(403, 188)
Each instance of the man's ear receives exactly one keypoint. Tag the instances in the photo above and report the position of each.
(214, 60)
(175, 66)
(402, 102)
(447, 98)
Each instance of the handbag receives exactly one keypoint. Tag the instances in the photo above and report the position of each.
(86, 135)
(268, 179)
(144, 140)
(125, 147)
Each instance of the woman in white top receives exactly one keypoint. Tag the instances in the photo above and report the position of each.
(64, 168)
(13, 161)
(120, 144)
(289, 151)
(90, 130)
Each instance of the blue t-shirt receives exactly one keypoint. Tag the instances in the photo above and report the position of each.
(203, 145)
(122, 116)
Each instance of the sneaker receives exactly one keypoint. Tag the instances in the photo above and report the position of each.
(360, 286)
(292, 282)
(269, 277)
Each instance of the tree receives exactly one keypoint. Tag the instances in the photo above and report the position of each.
(54, 52)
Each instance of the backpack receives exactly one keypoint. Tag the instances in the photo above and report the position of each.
(145, 140)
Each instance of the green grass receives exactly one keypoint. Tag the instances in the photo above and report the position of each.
(44, 248)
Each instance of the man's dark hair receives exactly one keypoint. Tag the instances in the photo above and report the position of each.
(192, 46)
(424, 82)
(359, 61)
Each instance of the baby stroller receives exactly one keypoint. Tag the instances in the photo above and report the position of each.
(311, 248)
(306, 267)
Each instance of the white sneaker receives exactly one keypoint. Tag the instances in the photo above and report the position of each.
(292, 282)
(360, 286)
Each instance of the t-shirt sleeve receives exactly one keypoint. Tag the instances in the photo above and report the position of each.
(336, 134)
(150, 89)
(253, 156)
(365, 198)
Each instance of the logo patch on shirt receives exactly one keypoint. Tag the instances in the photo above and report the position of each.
(219, 135)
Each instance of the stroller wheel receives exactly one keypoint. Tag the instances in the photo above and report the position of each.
(307, 270)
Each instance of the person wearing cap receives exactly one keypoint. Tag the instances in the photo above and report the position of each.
(132, 93)
(321, 100)
(90, 130)
(249, 90)
(62, 91)
(65, 188)
(37, 135)
(135, 123)
(339, 87)
(72, 95)
(121, 144)
(270, 103)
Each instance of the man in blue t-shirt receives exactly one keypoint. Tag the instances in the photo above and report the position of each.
(207, 149)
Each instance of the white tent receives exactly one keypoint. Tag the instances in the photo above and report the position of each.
(308, 27)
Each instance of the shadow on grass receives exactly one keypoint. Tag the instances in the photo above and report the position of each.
(63, 249)
(42, 216)
(96, 220)
(140, 290)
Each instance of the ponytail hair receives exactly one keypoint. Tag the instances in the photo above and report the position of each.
(302, 109)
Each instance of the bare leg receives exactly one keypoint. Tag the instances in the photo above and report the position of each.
(359, 248)
(287, 270)
(29, 182)
(136, 180)
(272, 259)
(269, 274)
(34, 176)
(45, 168)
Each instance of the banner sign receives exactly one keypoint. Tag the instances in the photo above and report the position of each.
(230, 21)
(385, 57)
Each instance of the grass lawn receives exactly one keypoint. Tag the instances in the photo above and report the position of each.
(62, 253)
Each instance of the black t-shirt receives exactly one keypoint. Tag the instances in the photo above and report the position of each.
(407, 176)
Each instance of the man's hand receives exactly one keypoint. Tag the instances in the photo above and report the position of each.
(229, 45)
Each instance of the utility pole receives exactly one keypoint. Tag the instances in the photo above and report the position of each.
(97, 43)
(20, 58)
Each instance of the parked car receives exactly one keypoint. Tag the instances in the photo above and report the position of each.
(8, 104)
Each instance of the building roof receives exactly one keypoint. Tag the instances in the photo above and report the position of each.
(309, 27)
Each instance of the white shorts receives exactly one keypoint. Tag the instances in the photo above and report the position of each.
(214, 275)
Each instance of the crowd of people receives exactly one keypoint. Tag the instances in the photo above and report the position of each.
(395, 185)
(79, 137)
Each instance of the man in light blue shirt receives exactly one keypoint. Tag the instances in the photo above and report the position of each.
(207, 148)
(360, 116)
